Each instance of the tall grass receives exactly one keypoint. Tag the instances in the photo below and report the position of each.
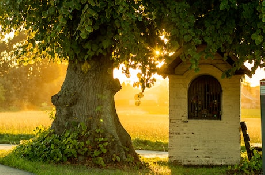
(250, 113)
(141, 126)
(22, 122)
(144, 126)
(253, 129)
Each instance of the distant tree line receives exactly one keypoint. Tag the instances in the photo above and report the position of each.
(29, 86)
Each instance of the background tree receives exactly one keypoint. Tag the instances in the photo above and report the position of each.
(26, 86)
(97, 35)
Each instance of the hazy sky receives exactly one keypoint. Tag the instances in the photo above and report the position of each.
(255, 80)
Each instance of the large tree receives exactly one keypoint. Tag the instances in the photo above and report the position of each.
(97, 35)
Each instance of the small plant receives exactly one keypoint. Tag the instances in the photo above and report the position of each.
(72, 146)
(253, 166)
(52, 114)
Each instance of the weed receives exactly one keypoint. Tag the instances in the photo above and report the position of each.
(253, 166)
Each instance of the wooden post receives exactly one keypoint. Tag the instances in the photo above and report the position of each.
(246, 139)
(262, 108)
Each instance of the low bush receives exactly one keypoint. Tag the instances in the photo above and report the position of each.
(73, 146)
(253, 166)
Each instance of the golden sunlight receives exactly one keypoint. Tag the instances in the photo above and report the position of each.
(118, 73)
(259, 75)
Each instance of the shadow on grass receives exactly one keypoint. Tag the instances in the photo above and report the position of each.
(140, 144)
(14, 138)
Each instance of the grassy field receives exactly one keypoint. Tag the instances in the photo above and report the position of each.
(252, 119)
(141, 126)
(250, 113)
(23, 122)
(144, 128)
(254, 129)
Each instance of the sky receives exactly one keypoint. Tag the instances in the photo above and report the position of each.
(254, 81)
(259, 75)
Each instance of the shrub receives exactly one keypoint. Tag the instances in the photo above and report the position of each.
(253, 166)
(73, 146)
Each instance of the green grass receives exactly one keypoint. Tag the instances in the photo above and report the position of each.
(155, 166)
(139, 144)
(14, 138)
(40, 168)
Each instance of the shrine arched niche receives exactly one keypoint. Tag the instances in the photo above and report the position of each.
(204, 98)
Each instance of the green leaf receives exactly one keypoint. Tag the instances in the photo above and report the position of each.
(97, 153)
(100, 139)
(118, 158)
(117, 23)
(105, 43)
(257, 37)
(92, 12)
(83, 126)
(91, 2)
(224, 5)
(94, 47)
(187, 38)
(83, 35)
(103, 150)
(88, 27)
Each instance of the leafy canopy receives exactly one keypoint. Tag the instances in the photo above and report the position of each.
(129, 31)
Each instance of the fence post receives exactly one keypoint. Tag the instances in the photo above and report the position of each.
(262, 108)
(246, 139)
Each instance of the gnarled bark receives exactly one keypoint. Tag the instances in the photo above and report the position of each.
(87, 96)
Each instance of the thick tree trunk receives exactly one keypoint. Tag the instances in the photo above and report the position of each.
(87, 96)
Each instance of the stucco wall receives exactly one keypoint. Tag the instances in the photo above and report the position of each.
(204, 142)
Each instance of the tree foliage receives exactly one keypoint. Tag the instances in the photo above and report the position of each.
(80, 30)
(231, 27)
(131, 29)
